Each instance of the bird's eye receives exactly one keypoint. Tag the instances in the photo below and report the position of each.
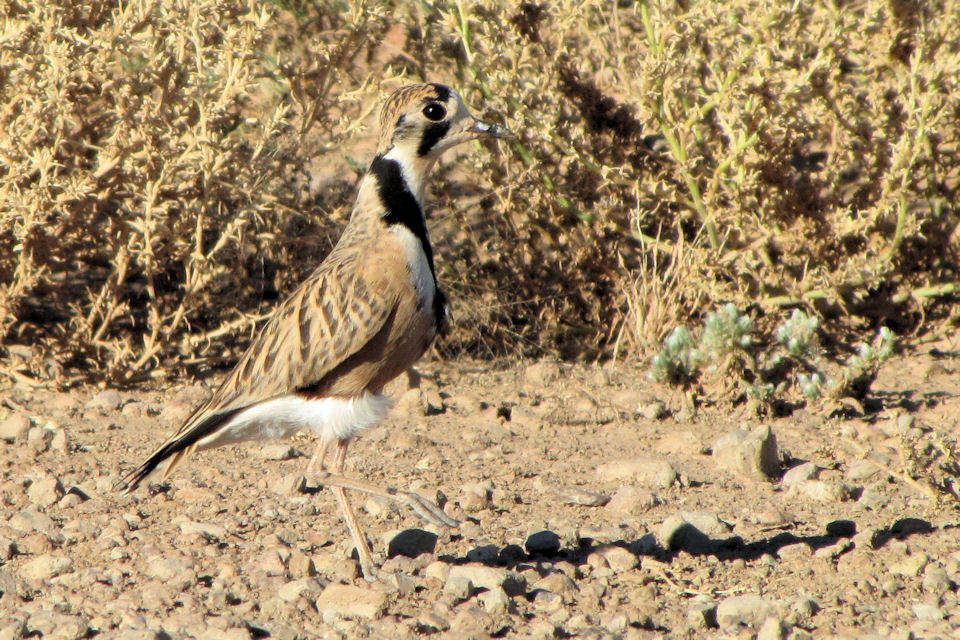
(434, 111)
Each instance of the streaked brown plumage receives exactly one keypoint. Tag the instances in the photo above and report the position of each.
(365, 315)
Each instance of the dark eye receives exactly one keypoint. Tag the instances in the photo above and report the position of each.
(434, 111)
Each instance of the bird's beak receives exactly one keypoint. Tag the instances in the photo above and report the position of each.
(490, 130)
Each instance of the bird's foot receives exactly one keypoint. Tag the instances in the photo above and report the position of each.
(428, 510)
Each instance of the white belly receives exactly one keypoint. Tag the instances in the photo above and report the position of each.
(329, 418)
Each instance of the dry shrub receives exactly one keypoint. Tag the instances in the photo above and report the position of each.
(171, 168)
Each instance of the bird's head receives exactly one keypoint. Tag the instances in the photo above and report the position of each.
(419, 122)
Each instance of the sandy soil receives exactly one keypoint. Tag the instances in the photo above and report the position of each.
(588, 511)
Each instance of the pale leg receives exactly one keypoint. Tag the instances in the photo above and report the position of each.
(360, 540)
(318, 457)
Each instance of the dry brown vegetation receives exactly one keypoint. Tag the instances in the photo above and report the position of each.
(168, 168)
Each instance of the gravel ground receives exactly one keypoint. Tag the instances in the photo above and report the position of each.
(590, 509)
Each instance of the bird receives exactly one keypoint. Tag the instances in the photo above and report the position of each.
(368, 312)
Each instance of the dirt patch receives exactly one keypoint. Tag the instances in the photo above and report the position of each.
(589, 509)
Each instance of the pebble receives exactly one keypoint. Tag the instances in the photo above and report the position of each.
(290, 484)
(543, 543)
(494, 601)
(618, 558)
(693, 531)
(773, 628)
(910, 566)
(749, 453)
(45, 490)
(799, 473)
(824, 491)
(747, 610)
(458, 587)
(630, 500)
(45, 567)
(307, 587)
(578, 496)
(410, 542)
(925, 611)
(351, 602)
(702, 615)
(39, 439)
(213, 532)
(658, 474)
(654, 410)
(835, 550)
(547, 601)
(861, 471)
(935, 580)
(57, 626)
(490, 577)
(557, 583)
(796, 551)
(14, 428)
(106, 400)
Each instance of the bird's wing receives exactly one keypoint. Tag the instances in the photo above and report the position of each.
(331, 316)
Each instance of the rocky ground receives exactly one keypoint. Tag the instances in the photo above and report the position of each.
(591, 508)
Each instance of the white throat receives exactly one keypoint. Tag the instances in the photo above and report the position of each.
(413, 167)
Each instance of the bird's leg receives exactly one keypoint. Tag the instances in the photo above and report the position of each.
(428, 510)
(318, 457)
(360, 540)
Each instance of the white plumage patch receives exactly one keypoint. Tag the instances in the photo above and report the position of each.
(420, 271)
(330, 418)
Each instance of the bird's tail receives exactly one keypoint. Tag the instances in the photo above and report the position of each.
(175, 449)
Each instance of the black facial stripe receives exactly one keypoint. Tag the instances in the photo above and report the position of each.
(432, 135)
(402, 208)
(443, 91)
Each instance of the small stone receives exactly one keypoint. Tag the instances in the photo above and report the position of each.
(654, 410)
(352, 602)
(557, 583)
(106, 400)
(799, 473)
(14, 428)
(307, 587)
(578, 496)
(45, 567)
(45, 490)
(8, 548)
(702, 615)
(59, 441)
(290, 484)
(437, 570)
(545, 543)
(475, 497)
(547, 601)
(935, 581)
(410, 542)
(834, 550)
(910, 566)
(796, 551)
(823, 491)
(749, 453)
(38, 439)
(630, 500)
(29, 520)
(277, 451)
(494, 601)
(301, 565)
(618, 558)
(491, 577)
(748, 610)
(542, 374)
(212, 532)
(773, 628)
(458, 587)
(841, 528)
(658, 474)
(868, 539)
(57, 626)
(693, 531)
(431, 620)
(925, 611)
(861, 471)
